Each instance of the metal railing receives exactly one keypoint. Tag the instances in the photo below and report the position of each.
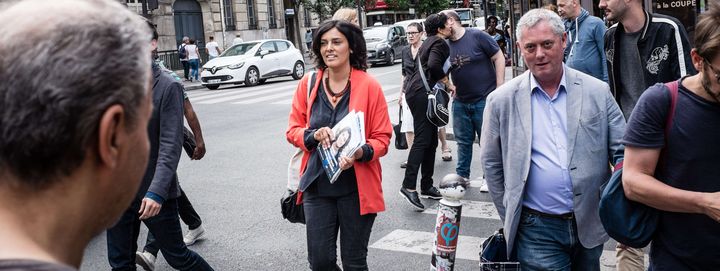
(172, 60)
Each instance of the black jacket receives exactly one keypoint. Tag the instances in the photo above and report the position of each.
(432, 53)
(165, 132)
(664, 51)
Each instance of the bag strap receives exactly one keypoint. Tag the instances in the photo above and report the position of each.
(310, 86)
(422, 75)
(673, 87)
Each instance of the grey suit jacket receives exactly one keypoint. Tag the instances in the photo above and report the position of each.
(595, 127)
(165, 132)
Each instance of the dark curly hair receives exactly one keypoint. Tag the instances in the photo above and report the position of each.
(435, 22)
(354, 35)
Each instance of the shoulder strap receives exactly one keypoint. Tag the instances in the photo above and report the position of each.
(310, 85)
(422, 74)
(673, 87)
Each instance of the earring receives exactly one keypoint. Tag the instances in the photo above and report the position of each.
(351, 52)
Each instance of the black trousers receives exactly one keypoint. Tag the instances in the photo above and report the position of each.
(324, 217)
(187, 214)
(422, 153)
(122, 239)
(186, 69)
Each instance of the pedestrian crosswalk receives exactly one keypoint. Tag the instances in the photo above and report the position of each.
(421, 242)
(275, 93)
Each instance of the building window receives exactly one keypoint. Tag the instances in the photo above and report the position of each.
(307, 17)
(252, 16)
(271, 14)
(229, 15)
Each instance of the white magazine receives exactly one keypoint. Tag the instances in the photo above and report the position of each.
(349, 135)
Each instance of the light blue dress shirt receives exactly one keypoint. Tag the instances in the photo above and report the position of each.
(549, 187)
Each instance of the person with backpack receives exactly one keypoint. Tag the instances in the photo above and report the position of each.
(182, 54)
(673, 167)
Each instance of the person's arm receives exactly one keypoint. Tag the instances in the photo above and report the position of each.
(439, 52)
(499, 61)
(207, 50)
(599, 36)
(616, 128)
(197, 50)
(297, 133)
(491, 155)
(194, 123)
(640, 185)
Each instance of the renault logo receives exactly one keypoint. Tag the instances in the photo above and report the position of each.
(213, 70)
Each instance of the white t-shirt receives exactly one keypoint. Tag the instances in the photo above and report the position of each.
(192, 51)
(212, 48)
(237, 41)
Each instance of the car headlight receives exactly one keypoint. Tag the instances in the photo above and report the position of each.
(236, 66)
(382, 46)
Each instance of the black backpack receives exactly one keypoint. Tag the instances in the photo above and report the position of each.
(182, 53)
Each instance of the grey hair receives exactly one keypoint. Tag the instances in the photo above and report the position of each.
(535, 16)
(186, 39)
(63, 64)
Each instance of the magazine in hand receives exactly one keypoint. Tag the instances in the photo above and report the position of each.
(349, 136)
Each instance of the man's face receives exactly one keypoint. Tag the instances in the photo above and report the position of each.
(614, 9)
(566, 9)
(451, 24)
(542, 50)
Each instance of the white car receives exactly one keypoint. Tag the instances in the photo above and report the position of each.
(253, 62)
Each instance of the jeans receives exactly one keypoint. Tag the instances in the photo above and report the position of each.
(194, 69)
(422, 153)
(467, 121)
(165, 226)
(186, 69)
(324, 217)
(187, 214)
(544, 243)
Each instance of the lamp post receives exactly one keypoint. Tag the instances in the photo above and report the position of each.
(447, 225)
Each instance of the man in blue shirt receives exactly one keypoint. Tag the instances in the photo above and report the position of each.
(585, 50)
(547, 138)
(478, 67)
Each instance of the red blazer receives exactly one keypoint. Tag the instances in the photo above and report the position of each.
(366, 96)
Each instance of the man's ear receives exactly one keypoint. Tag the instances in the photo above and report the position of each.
(111, 135)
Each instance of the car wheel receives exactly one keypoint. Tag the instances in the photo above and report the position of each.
(252, 78)
(262, 81)
(212, 87)
(298, 70)
(392, 58)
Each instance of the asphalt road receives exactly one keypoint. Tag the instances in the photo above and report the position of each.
(237, 186)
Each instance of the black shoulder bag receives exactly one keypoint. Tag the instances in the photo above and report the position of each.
(437, 109)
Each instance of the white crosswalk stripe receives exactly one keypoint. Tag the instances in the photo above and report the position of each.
(468, 248)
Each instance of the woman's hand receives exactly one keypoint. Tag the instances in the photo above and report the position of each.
(325, 136)
(348, 161)
(451, 89)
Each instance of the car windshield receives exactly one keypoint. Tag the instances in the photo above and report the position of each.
(375, 33)
(239, 49)
(464, 14)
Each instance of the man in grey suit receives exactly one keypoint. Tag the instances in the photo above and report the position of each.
(548, 137)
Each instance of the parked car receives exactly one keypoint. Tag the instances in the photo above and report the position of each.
(252, 63)
(384, 43)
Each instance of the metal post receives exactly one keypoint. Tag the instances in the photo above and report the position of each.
(222, 23)
(359, 13)
(447, 225)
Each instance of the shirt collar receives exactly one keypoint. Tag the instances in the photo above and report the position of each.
(535, 86)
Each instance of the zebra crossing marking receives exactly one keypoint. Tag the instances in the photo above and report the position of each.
(212, 100)
(471, 208)
(420, 242)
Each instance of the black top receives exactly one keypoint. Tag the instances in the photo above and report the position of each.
(408, 65)
(32, 265)
(690, 162)
(314, 179)
(432, 53)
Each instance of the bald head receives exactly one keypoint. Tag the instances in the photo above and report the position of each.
(568, 9)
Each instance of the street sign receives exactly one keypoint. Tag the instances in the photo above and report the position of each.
(411, 11)
(289, 11)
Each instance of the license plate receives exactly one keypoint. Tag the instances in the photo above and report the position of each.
(213, 81)
(370, 54)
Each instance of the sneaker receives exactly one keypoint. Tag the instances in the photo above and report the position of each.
(193, 235)
(403, 164)
(484, 187)
(412, 198)
(432, 193)
(145, 259)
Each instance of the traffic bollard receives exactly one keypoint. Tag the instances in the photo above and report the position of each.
(447, 225)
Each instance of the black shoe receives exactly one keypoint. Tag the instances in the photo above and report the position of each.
(403, 164)
(412, 198)
(432, 193)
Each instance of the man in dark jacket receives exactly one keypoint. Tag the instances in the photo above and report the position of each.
(156, 201)
(642, 49)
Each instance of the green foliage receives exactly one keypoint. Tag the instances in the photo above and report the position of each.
(398, 4)
(428, 7)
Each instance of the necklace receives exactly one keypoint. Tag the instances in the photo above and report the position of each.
(336, 95)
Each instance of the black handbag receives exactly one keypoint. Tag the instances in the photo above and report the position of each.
(400, 139)
(628, 222)
(189, 143)
(493, 254)
(437, 109)
(290, 210)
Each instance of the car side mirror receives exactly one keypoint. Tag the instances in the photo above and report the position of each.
(264, 52)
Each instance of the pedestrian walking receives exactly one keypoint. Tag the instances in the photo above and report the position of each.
(642, 49)
(212, 48)
(237, 39)
(674, 169)
(432, 53)
(414, 35)
(547, 138)
(156, 202)
(351, 204)
(74, 145)
(194, 59)
(479, 68)
(183, 55)
(308, 39)
(585, 49)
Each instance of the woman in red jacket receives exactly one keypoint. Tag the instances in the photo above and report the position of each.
(352, 202)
